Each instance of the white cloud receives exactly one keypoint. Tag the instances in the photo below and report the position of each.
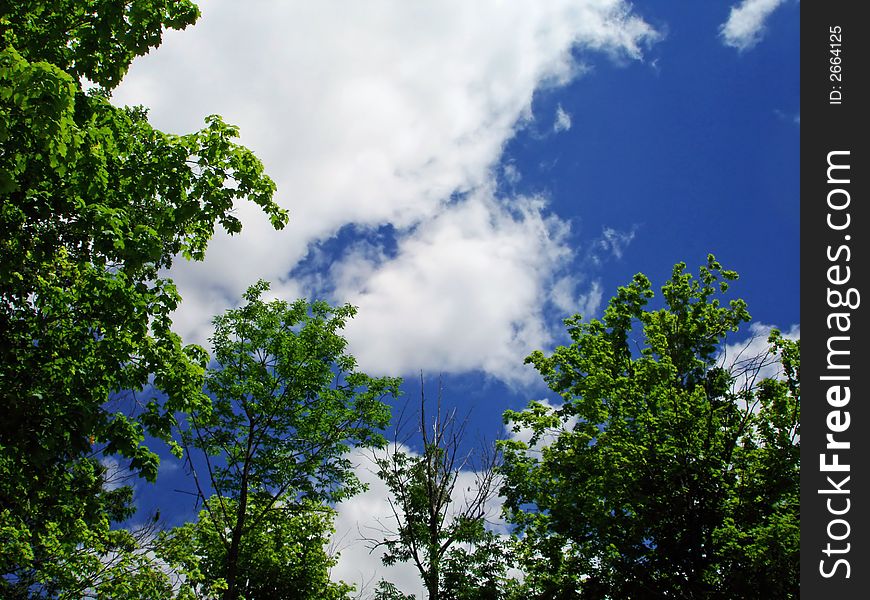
(745, 25)
(511, 173)
(590, 302)
(380, 113)
(564, 297)
(385, 112)
(462, 293)
(615, 241)
(563, 120)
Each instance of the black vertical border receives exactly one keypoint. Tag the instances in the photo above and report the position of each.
(828, 126)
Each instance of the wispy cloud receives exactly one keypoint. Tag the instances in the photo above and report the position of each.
(565, 297)
(789, 117)
(745, 25)
(511, 173)
(611, 243)
(562, 121)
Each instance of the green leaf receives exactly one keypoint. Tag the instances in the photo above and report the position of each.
(662, 473)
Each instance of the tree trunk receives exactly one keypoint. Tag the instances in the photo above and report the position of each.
(432, 583)
(232, 562)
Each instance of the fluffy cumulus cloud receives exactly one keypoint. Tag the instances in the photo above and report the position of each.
(461, 293)
(384, 113)
(745, 25)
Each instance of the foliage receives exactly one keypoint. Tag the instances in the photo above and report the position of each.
(479, 572)
(94, 206)
(668, 475)
(283, 557)
(94, 39)
(432, 517)
(81, 556)
(388, 591)
(288, 406)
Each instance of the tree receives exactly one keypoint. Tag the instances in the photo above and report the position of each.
(388, 591)
(284, 557)
(433, 518)
(94, 205)
(479, 571)
(670, 474)
(105, 562)
(288, 404)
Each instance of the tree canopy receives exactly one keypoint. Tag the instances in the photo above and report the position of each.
(435, 516)
(666, 469)
(669, 471)
(288, 406)
(95, 204)
(284, 556)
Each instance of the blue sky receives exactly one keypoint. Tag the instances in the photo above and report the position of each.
(470, 173)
